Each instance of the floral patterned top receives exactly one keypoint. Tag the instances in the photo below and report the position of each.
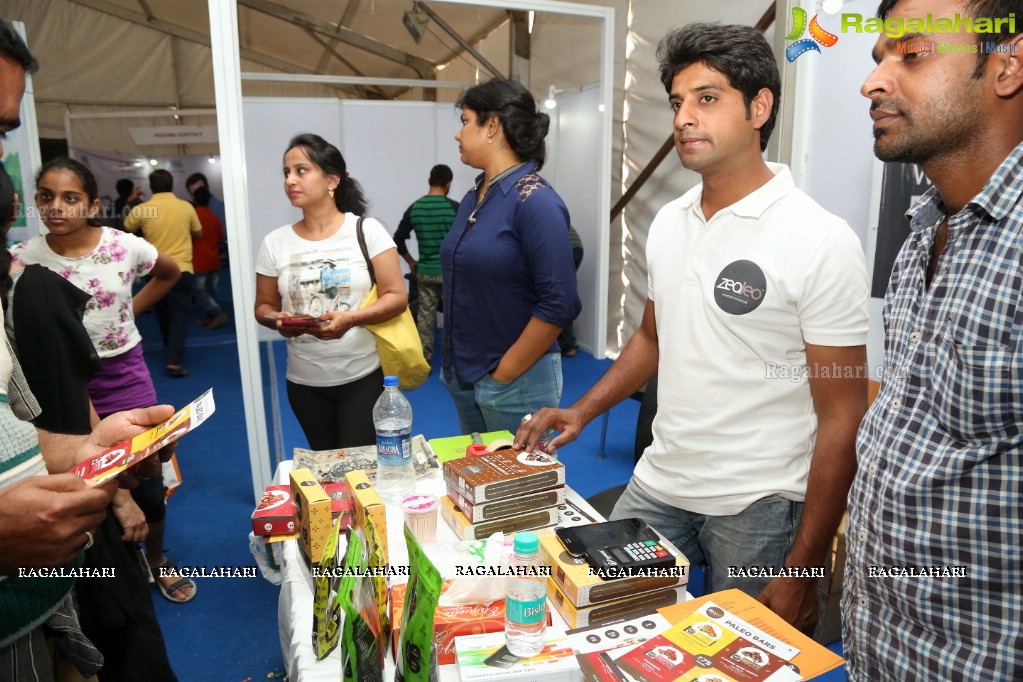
(108, 274)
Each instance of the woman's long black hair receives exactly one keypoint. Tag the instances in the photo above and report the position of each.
(348, 196)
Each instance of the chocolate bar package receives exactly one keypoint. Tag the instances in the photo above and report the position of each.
(488, 511)
(453, 516)
(275, 513)
(502, 475)
(583, 587)
(608, 612)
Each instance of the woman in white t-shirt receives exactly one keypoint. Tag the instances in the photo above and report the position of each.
(311, 279)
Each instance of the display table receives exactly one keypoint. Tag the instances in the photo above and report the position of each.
(295, 608)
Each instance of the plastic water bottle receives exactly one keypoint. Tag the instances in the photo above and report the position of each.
(392, 420)
(525, 602)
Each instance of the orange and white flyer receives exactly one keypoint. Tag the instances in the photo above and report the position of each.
(115, 460)
(728, 637)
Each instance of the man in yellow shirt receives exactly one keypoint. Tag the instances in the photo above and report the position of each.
(168, 223)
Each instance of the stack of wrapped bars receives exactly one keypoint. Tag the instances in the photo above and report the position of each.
(585, 599)
(505, 491)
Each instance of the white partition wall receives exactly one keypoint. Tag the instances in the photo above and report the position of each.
(573, 156)
(389, 148)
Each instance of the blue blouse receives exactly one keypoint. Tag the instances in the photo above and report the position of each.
(513, 262)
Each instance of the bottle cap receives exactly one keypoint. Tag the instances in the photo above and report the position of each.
(390, 381)
(526, 543)
(475, 449)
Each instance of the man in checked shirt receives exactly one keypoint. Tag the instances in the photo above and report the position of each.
(940, 477)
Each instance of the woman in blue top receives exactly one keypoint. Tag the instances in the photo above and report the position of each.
(509, 281)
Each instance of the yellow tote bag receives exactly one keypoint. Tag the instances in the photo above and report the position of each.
(398, 344)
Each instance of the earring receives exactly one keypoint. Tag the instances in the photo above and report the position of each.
(331, 192)
(490, 139)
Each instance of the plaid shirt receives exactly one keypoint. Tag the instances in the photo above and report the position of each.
(939, 487)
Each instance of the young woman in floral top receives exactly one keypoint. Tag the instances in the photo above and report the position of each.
(105, 262)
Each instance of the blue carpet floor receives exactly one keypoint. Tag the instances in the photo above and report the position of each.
(229, 631)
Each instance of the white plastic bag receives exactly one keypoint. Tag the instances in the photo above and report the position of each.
(464, 561)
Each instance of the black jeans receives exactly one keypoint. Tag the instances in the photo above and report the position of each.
(172, 315)
(341, 416)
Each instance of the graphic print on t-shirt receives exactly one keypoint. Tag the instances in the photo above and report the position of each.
(318, 284)
(740, 288)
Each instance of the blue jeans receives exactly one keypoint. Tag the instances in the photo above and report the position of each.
(490, 405)
(760, 535)
(206, 292)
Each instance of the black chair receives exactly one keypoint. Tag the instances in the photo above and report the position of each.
(605, 501)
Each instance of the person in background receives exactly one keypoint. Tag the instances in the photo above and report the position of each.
(313, 273)
(197, 180)
(206, 260)
(169, 223)
(934, 571)
(755, 324)
(508, 282)
(430, 217)
(566, 339)
(128, 197)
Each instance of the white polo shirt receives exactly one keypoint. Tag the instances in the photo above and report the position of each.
(736, 299)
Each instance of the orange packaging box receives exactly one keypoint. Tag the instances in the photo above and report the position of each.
(452, 621)
(275, 513)
(312, 512)
(369, 516)
(584, 587)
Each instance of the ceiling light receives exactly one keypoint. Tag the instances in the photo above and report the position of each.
(152, 162)
(532, 17)
(550, 102)
(212, 160)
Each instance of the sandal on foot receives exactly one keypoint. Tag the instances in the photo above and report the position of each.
(170, 593)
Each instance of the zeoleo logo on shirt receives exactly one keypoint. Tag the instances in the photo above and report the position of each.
(740, 288)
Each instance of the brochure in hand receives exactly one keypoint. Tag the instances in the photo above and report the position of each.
(114, 461)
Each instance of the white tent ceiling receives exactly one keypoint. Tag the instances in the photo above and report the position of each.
(123, 55)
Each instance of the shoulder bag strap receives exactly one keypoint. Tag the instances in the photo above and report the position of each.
(365, 251)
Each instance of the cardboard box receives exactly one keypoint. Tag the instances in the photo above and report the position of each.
(829, 623)
(454, 517)
(369, 516)
(488, 511)
(452, 621)
(312, 513)
(503, 474)
(630, 607)
(556, 663)
(583, 588)
(275, 513)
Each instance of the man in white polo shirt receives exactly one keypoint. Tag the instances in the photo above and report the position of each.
(755, 324)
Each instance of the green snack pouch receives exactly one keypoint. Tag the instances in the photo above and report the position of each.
(326, 611)
(416, 660)
(362, 653)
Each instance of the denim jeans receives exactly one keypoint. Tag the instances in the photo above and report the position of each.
(490, 405)
(760, 535)
(206, 292)
(172, 316)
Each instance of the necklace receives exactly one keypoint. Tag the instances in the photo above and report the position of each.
(486, 190)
